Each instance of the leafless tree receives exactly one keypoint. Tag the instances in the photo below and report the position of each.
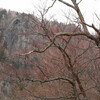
(78, 56)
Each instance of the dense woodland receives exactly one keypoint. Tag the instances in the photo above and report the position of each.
(47, 60)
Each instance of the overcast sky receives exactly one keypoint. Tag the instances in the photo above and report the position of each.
(88, 7)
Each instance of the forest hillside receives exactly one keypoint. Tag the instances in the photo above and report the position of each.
(37, 62)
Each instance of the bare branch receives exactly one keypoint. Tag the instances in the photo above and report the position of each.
(97, 16)
(66, 4)
(76, 34)
(51, 80)
(79, 2)
(50, 6)
(92, 26)
(77, 9)
(38, 51)
(57, 35)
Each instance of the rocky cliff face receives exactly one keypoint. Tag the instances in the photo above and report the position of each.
(14, 35)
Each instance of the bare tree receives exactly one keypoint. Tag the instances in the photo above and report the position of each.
(77, 57)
